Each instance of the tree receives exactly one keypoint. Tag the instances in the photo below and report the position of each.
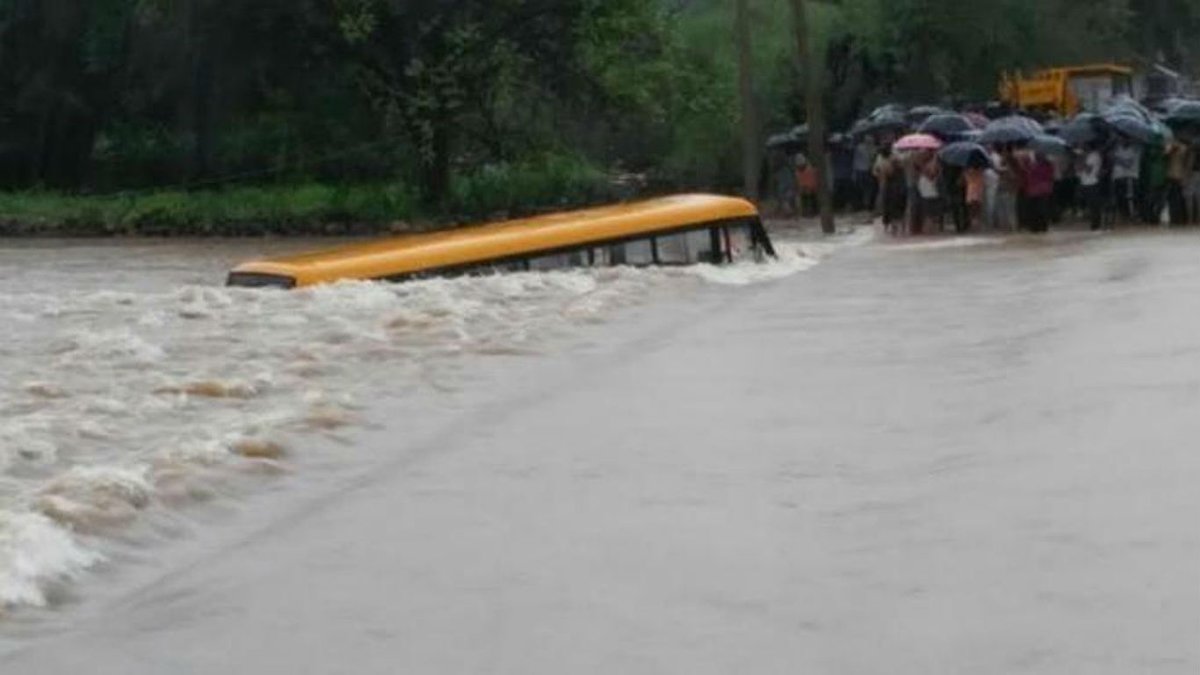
(815, 104)
(750, 134)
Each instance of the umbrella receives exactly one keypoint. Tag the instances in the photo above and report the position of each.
(785, 143)
(1126, 106)
(1050, 145)
(888, 110)
(791, 142)
(1084, 129)
(946, 126)
(1184, 113)
(923, 112)
(979, 120)
(887, 122)
(1135, 128)
(1010, 130)
(858, 128)
(918, 142)
(1167, 105)
(965, 155)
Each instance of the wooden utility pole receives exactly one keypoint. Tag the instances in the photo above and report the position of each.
(751, 157)
(815, 103)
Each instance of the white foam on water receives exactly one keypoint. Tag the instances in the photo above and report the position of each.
(35, 553)
(120, 346)
(792, 258)
(96, 498)
(108, 430)
(945, 244)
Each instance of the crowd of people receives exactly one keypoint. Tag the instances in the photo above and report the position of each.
(1113, 182)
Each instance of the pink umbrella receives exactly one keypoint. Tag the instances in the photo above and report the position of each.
(918, 142)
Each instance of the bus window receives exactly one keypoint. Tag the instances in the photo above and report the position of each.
(616, 254)
(699, 246)
(640, 252)
(550, 262)
(740, 244)
(677, 249)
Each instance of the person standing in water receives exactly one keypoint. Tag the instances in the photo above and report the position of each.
(1039, 192)
(1007, 185)
(893, 190)
(1126, 170)
(864, 180)
(1088, 169)
(974, 183)
(929, 210)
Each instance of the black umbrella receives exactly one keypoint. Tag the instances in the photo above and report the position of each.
(1126, 106)
(946, 126)
(1184, 113)
(965, 155)
(785, 143)
(1050, 145)
(923, 112)
(1010, 130)
(1135, 128)
(1166, 105)
(791, 142)
(888, 122)
(888, 110)
(1084, 129)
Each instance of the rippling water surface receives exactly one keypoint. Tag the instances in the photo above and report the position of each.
(970, 455)
(136, 387)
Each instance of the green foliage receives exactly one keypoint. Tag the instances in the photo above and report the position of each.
(512, 188)
(479, 106)
(490, 191)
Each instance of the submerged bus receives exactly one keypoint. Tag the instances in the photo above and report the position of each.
(678, 230)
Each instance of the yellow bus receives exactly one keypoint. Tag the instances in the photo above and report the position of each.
(678, 230)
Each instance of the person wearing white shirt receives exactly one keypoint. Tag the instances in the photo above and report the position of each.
(1089, 168)
(1126, 170)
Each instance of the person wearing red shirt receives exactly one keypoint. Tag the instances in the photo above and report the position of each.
(1037, 184)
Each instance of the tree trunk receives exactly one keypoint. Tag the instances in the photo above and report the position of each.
(200, 107)
(815, 103)
(750, 140)
(436, 167)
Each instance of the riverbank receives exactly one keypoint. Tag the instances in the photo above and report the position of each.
(495, 191)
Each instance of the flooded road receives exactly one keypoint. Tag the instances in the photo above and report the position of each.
(952, 456)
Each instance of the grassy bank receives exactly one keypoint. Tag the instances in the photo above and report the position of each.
(493, 191)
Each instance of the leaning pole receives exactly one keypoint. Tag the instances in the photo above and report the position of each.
(815, 104)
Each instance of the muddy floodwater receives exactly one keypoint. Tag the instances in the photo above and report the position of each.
(971, 455)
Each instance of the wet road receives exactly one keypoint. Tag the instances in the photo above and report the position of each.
(970, 456)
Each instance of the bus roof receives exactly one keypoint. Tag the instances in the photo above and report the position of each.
(479, 244)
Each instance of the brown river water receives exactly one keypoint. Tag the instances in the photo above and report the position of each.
(960, 455)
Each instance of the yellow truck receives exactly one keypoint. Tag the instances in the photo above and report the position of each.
(1066, 91)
